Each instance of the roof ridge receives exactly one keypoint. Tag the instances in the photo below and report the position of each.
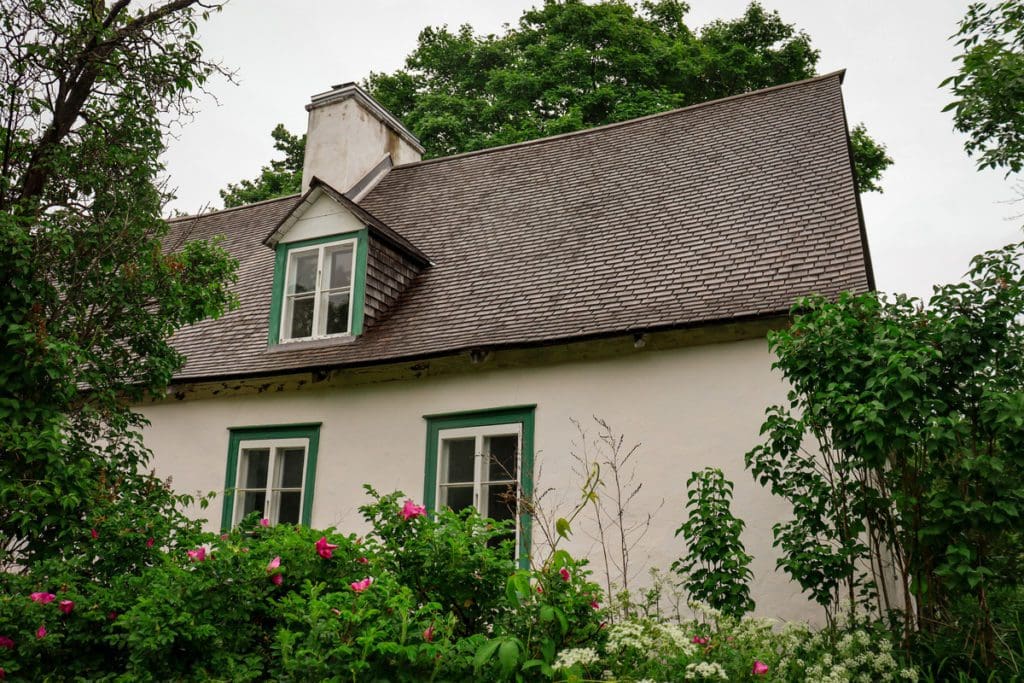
(193, 216)
(840, 73)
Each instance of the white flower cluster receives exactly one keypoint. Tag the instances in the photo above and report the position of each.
(628, 634)
(676, 636)
(705, 671)
(578, 655)
(709, 613)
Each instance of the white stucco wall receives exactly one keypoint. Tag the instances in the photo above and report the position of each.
(690, 407)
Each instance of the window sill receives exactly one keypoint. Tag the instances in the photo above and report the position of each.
(320, 342)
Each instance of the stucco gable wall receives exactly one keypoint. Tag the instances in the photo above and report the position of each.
(689, 407)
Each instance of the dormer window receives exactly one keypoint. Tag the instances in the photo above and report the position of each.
(318, 291)
(321, 249)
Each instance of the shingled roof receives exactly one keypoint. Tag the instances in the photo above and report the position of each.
(723, 211)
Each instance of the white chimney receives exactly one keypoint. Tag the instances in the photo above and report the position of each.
(351, 135)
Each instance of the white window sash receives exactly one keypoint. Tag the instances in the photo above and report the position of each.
(479, 434)
(319, 289)
(273, 475)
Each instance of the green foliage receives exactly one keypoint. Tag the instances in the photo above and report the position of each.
(900, 446)
(869, 160)
(569, 65)
(417, 598)
(989, 88)
(280, 178)
(89, 292)
(716, 568)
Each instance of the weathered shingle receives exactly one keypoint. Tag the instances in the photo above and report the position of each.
(725, 210)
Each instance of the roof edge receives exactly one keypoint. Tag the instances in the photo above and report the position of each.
(839, 73)
(539, 343)
(193, 216)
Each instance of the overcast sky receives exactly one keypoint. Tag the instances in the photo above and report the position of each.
(937, 210)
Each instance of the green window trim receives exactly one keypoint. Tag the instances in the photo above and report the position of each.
(522, 415)
(309, 430)
(358, 286)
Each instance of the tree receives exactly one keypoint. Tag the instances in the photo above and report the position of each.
(990, 84)
(900, 449)
(89, 291)
(282, 177)
(568, 65)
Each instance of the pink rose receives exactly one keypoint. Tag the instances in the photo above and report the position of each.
(411, 510)
(277, 579)
(95, 534)
(6, 643)
(41, 632)
(42, 598)
(699, 640)
(325, 549)
(149, 542)
(274, 564)
(760, 668)
(360, 586)
(197, 555)
(564, 573)
(264, 522)
(594, 604)
(66, 606)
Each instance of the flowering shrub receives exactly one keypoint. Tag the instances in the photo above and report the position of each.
(420, 597)
(717, 647)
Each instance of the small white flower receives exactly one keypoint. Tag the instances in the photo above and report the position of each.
(578, 655)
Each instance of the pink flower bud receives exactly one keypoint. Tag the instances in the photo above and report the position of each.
(274, 564)
(66, 606)
(428, 634)
(95, 534)
(41, 632)
(6, 643)
(564, 573)
(277, 579)
(149, 542)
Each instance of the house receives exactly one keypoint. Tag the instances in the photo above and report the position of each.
(437, 326)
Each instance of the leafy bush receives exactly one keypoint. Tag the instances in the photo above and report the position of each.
(419, 598)
(717, 567)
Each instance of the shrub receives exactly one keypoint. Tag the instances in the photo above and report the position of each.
(419, 598)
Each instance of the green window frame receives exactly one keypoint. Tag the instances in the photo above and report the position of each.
(522, 415)
(358, 296)
(310, 432)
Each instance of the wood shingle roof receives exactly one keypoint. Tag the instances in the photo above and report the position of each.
(722, 211)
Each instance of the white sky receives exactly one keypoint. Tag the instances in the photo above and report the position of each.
(937, 210)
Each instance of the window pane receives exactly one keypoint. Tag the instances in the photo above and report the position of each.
(302, 272)
(457, 497)
(291, 461)
(337, 312)
(251, 501)
(301, 317)
(254, 467)
(458, 466)
(288, 507)
(503, 451)
(339, 269)
(500, 500)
